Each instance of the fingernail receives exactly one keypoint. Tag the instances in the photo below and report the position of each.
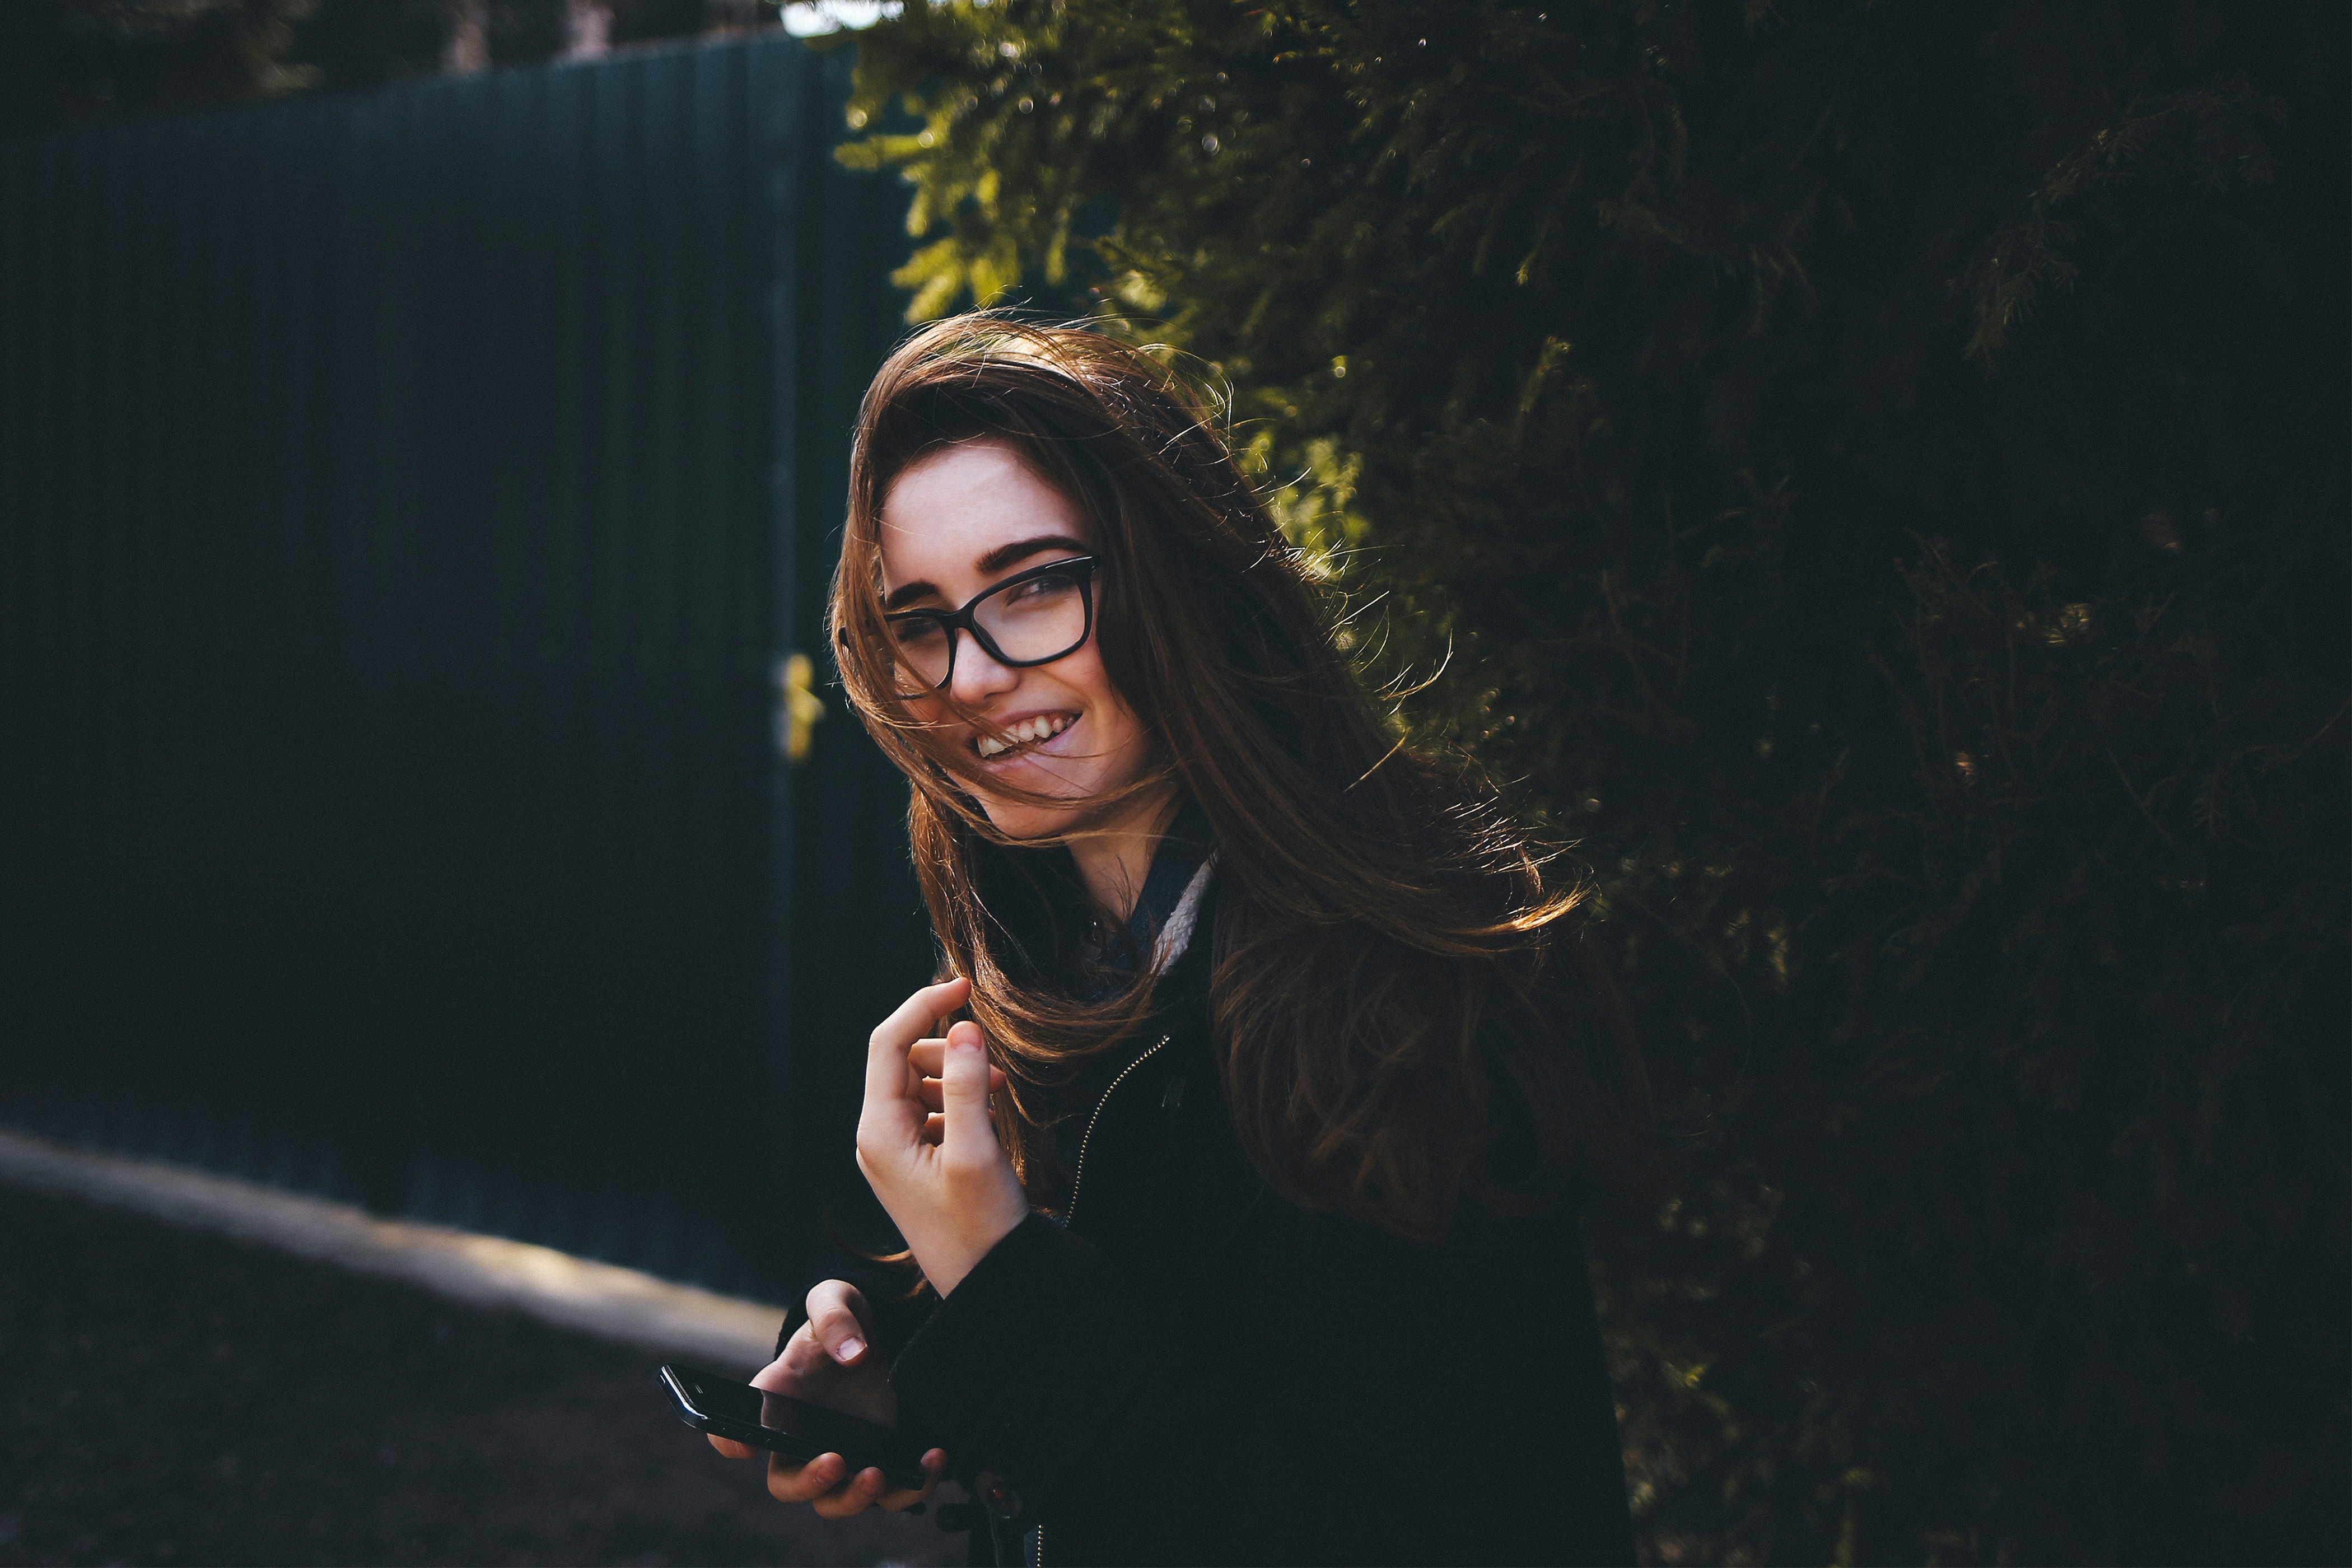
(852, 1349)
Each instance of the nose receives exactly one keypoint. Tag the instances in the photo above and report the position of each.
(976, 677)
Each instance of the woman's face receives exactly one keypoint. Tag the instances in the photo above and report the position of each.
(958, 522)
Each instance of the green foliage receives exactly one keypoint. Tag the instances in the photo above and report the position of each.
(1874, 477)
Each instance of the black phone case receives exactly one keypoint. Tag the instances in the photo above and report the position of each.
(788, 1444)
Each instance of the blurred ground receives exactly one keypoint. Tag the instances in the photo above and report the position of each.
(170, 1396)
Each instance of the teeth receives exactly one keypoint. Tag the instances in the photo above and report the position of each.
(1029, 731)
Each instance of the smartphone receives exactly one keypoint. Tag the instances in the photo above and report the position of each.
(710, 1402)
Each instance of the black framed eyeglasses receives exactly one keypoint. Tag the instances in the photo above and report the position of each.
(1032, 617)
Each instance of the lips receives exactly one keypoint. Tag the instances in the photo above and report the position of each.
(1022, 735)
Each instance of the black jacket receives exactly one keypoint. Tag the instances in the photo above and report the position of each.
(1192, 1370)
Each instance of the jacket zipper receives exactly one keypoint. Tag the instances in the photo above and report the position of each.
(1086, 1141)
(1087, 1138)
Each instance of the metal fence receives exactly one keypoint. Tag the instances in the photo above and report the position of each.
(408, 505)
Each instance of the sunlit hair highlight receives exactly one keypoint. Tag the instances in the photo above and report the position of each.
(1385, 950)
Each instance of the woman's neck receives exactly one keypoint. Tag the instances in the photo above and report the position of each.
(1114, 855)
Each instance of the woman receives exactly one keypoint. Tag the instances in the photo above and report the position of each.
(1237, 1154)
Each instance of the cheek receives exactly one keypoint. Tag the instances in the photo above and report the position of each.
(1127, 747)
(1122, 732)
(923, 714)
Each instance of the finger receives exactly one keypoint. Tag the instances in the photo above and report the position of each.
(885, 1053)
(934, 1097)
(935, 1465)
(776, 1377)
(730, 1449)
(789, 1480)
(840, 1320)
(935, 1127)
(853, 1496)
(804, 1361)
(925, 1057)
(964, 1089)
(840, 1333)
(914, 1018)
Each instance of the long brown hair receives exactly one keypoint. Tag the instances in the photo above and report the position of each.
(1384, 945)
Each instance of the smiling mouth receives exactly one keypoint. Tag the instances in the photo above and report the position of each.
(1021, 736)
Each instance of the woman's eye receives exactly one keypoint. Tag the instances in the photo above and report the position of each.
(915, 634)
(1037, 588)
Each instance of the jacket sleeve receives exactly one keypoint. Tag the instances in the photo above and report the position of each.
(1320, 1391)
(1044, 1343)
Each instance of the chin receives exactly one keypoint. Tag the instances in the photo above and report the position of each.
(1020, 819)
(1017, 819)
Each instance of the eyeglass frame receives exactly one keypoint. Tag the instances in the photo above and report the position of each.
(951, 622)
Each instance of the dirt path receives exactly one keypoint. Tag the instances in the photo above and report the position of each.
(171, 1396)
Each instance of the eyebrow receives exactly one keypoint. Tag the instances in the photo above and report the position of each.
(990, 564)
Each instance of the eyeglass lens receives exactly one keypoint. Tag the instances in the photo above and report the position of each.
(1032, 621)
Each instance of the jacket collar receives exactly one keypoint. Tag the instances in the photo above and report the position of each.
(1168, 910)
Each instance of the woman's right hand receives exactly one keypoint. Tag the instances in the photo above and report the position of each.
(830, 1361)
(925, 1140)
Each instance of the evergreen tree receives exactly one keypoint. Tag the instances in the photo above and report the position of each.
(1874, 477)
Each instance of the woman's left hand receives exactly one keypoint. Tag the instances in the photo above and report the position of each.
(925, 1140)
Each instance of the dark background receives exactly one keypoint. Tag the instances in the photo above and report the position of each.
(174, 1396)
(411, 502)
(1873, 479)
